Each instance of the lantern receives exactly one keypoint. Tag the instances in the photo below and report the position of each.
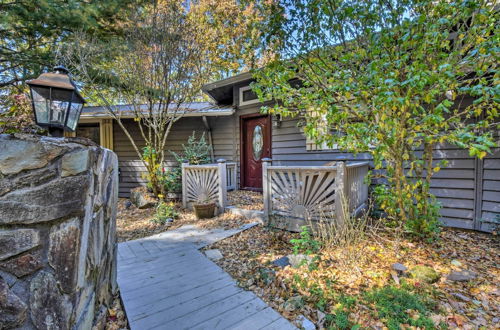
(57, 104)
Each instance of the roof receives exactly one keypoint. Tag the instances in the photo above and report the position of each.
(192, 109)
(221, 91)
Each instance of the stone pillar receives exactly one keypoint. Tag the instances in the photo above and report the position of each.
(57, 232)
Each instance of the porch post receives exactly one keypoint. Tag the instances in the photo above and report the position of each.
(222, 184)
(266, 187)
(184, 188)
(340, 191)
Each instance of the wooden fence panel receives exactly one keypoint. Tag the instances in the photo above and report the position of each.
(296, 195)
(205, 184)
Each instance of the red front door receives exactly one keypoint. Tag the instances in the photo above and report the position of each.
(255, 145)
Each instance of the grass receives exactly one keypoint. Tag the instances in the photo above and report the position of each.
(401, 306)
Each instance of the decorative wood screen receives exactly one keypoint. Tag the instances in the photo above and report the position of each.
(205, 184)
(355, 186)
(296, 195)
(231, 180)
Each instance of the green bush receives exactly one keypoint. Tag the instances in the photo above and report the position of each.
(195, 152)
(164, 212)
(306, 243)
(169, 180)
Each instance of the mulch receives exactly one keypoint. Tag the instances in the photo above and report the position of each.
(133, 223)
(248, 200)
(248, 257)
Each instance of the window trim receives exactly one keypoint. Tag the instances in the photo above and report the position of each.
(241, 102)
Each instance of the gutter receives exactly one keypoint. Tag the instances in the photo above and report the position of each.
(126, 115)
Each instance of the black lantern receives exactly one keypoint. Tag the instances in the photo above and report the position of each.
(57, 104)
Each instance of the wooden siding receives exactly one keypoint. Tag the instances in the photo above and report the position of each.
(468, 189)
(489, 204)
(464, 194)
(131, 168)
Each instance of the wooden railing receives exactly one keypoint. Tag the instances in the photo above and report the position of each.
(231, 180)
(355, 186)
(296, 195)
(205, 183)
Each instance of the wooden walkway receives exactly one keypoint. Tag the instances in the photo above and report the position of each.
(167, 283)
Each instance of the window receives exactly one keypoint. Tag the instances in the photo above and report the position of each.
(247, 96)
(322, 127)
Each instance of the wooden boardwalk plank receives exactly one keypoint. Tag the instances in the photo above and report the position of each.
(258, 320)
(167, 283)
(233, 316)
(207, 312)
(279, 324)
(186, 311)
(163, 303)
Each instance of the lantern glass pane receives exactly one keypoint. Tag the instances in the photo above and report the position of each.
(74, 115)
(59, 106)
(58, 112)
(41, 104)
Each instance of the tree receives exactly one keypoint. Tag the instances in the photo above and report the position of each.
(30, 31)
(389, 78)
(230, 34)
(166, 54)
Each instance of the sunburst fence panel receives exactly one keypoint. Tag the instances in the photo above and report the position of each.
(203, 184)
(298, 195)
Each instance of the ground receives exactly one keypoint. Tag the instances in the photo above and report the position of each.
(249, 200)
(344, 287)
(338, 294)
(134, 223)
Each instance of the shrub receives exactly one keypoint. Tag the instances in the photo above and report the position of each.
(18, 115)
(345, 236)
(164, 212)
(401, 306)
(169, 180)
(195, 152)
(306, 243)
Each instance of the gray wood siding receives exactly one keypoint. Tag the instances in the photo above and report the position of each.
(224, 137)
(131, 168)
(489, 208)
(289, 148)
(468, 188)
(456, 186)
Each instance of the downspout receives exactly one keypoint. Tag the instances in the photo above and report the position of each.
(209, 131)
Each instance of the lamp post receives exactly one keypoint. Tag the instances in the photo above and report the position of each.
(56, 102)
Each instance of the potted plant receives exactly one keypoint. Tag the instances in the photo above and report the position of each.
(204, 208)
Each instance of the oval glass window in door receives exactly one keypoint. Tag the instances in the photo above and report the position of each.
(257, 142)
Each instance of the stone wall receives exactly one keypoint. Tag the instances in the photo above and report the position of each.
(57, 232)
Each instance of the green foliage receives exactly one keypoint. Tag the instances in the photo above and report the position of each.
(399, 305)
(164, 212)
(195, 152)
(160, 180)
(170, 179)
(163, 180)
(18, 116)
(31, 31)
(389, 78)
(423, 225)
(306, 243)
(339, 316)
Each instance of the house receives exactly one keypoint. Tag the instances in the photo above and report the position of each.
(468, 188)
